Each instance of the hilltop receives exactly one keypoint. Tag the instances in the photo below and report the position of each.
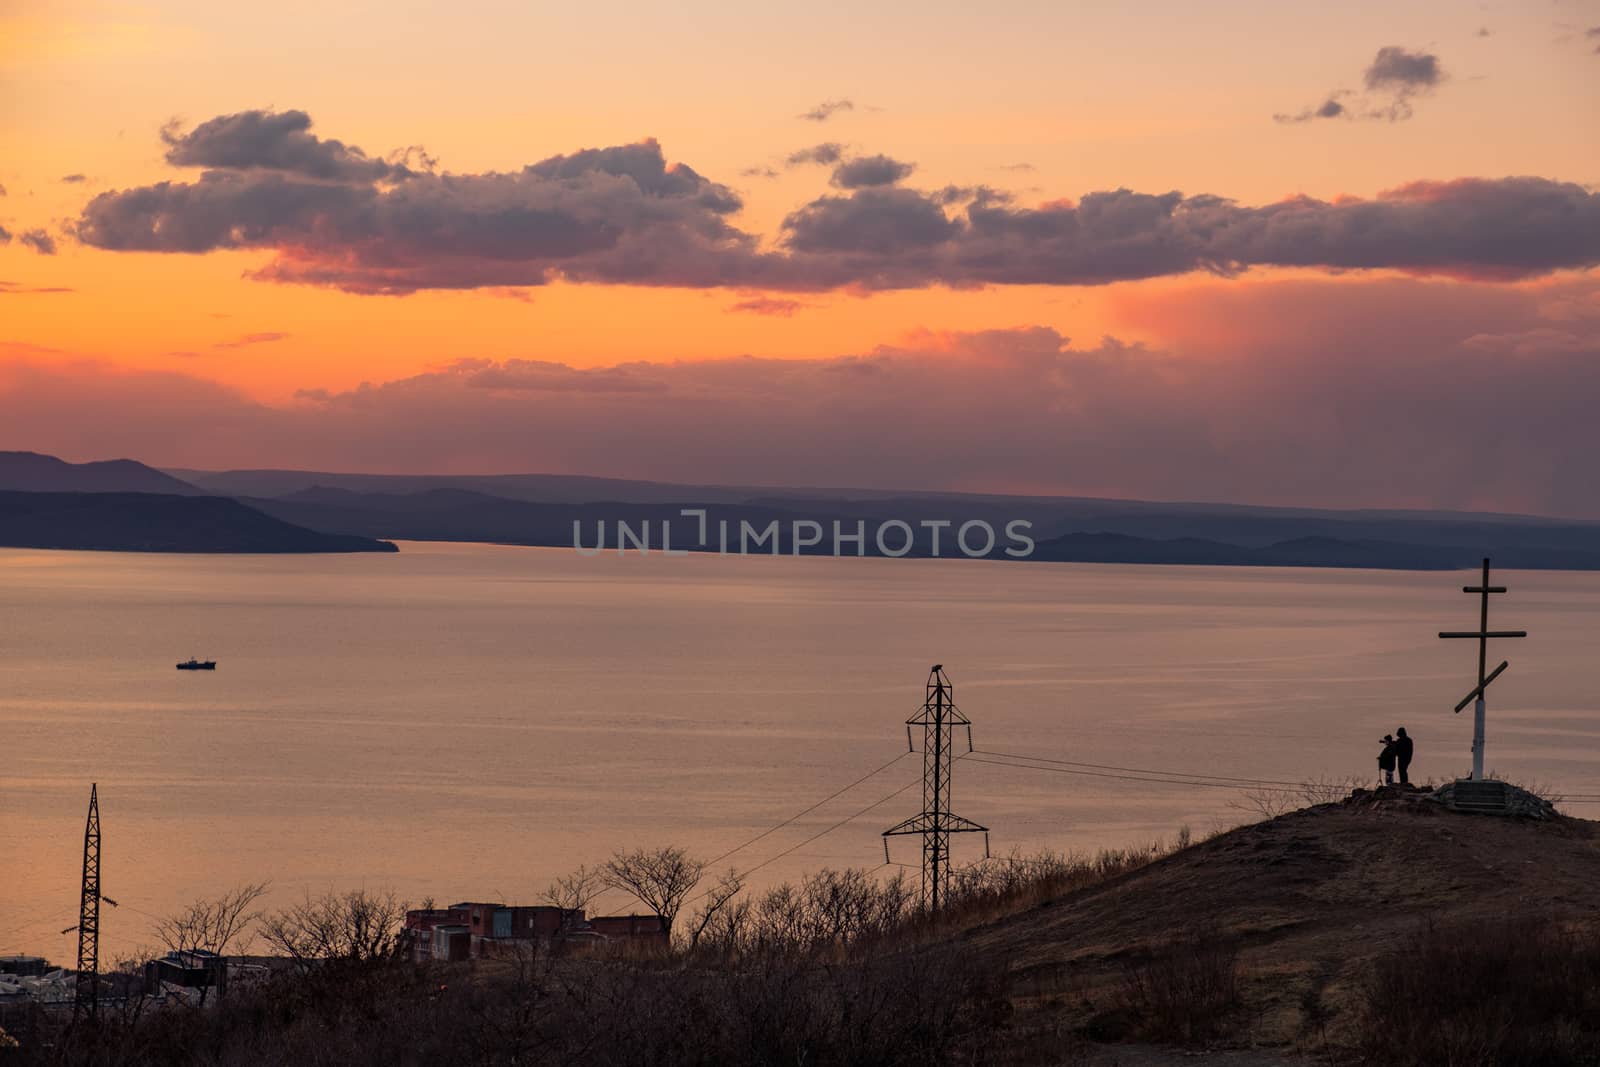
(1315, 902)
(34, 472)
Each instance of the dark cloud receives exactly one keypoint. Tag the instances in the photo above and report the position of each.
(549, 377)
(827, 109)
(275, 141)
(5, 236)
(1393, 79)
(16, 288)
(769, 305)
(616, 215)
(1402, 76)
(882, 222)
(40, 241)
(622, 215)
(2, 190)
(827, 154)
(74, 179)
(1360, 393)
(1506, 228)
(1330, 108)
(264, 337)
(864, 171)
(1593, 33)
(1393, 67)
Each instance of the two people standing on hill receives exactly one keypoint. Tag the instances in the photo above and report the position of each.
(1396, 751)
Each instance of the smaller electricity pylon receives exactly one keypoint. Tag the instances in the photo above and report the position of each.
(86, 994)
(938, 718)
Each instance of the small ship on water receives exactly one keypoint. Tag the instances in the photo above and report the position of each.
(198, 665)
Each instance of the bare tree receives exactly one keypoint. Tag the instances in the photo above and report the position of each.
(573, 892)
(660, 878)
(351, 926)
(716, 898)
(213, 924)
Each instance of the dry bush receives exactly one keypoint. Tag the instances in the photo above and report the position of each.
(1269, 802)
(1183, 991)
(1006, 884)
(1325, 789)
(829, 911)
(573, 892)
(1540, 789)
(920, 1006)
(1517, 991)
(214, 924)
(357, 925)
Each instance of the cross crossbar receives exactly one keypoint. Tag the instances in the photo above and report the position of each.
(1478, 692)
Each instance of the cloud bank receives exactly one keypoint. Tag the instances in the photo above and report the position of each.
(330, 215)
(1384, 392)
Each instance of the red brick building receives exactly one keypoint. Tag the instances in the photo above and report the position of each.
(474, 929)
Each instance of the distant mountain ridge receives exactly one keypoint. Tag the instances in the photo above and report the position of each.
(158, 522)
(541, 509)
(466, 515)
(34, 472)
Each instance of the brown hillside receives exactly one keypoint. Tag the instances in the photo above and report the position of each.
(1312, 898)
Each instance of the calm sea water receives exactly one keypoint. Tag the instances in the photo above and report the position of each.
(467, 721)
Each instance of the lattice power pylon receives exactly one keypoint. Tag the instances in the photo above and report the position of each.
(936, 822)
(86, 995)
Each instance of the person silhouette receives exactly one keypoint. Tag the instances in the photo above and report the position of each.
(1386, 760)
(1402, 752)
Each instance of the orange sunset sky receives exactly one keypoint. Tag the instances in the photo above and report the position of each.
(1305, 254)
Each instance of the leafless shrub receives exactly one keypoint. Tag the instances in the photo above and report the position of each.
(1269, 802)
(214, 924)
(573, 892)
(1005, 884)
(1266, 802)
(1325, 789)
(717, 899)
(1542, 790)
(1183, 991)
(1521, 990)
(357, 925)
(829, 910)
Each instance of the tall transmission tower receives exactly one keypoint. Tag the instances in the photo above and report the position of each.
(936, 822)
(86, 998)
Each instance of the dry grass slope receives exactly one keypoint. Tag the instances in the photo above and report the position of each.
(1314, 904)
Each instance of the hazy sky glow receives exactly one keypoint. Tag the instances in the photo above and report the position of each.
(1272, 253)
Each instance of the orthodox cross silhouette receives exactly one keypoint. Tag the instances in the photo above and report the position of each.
(1483, 635)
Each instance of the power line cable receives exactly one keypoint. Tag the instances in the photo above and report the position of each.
(1143, 770)
(791, 819)
(808, 811)
(1132, 778)
(821, 833)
